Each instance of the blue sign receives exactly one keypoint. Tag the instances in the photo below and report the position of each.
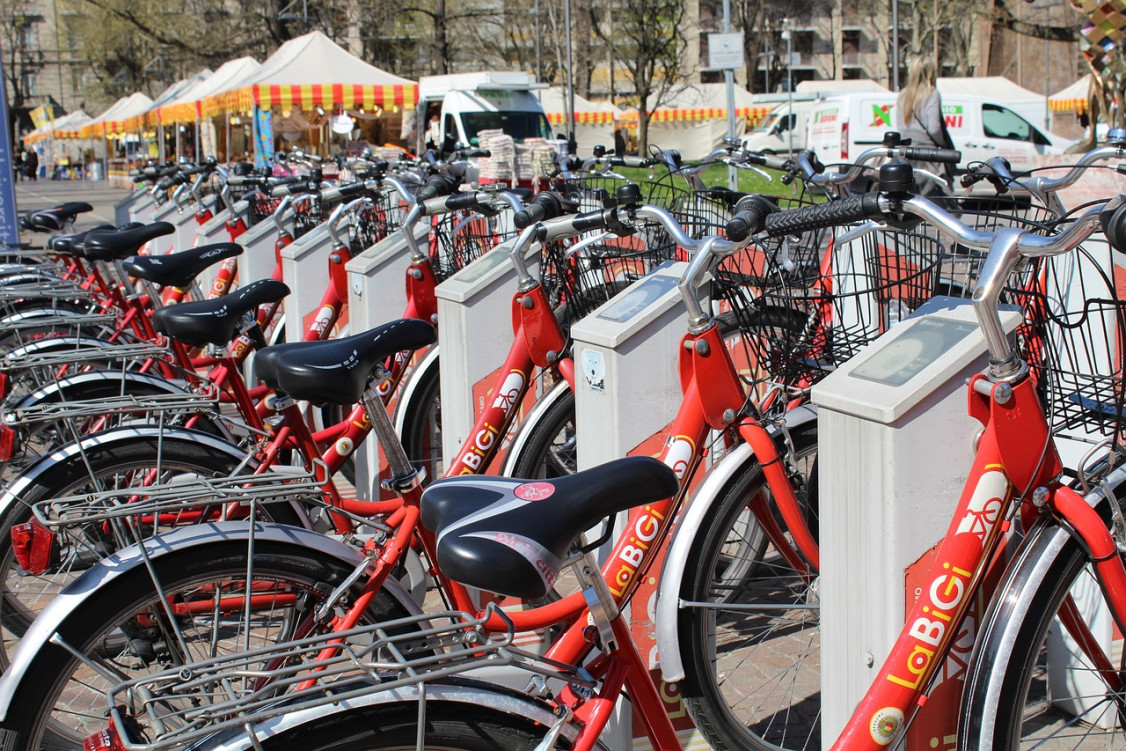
(9, 224)
(263, 136)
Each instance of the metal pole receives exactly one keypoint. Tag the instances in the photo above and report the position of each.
(895, 45)
(539, 45)
(570, 79)
(729, 80)
(790, 78)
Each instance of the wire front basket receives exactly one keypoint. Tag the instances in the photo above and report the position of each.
(1074, 341)
(374, 222)
(793, 334)
(461, 237)
(307, 214)
(261, 206)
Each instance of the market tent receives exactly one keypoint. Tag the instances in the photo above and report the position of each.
(313, 71)
(694, 119)
(67, 126)
(187, 106)
(151, 116)
(1029, 104)
(114, 119)
(594, 121)
(1073, 98)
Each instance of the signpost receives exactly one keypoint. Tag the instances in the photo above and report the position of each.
(725, 52)
(9, 225)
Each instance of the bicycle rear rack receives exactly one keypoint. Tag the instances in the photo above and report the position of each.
(236, 691)
(51, 290)
(110, 406)
(81, 354)
(81, 319)
(182, 495)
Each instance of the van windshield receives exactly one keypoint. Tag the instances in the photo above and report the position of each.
(518, 124)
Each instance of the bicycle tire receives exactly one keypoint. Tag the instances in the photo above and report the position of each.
(450, 726)
(732, 677)
(422, 425)
(61, 700)
(24, 595)
(1011, 699)
(551, 448)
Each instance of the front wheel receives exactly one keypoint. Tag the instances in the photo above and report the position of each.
(750, 622)
(1029, 683)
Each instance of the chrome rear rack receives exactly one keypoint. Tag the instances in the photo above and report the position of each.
(52, 290)
(110, 406)
(184, 494)
(75, 319)
(113, 352)
(192, 701)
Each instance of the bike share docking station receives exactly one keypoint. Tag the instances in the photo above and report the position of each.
(627, 392)
(475, 325)
(376, 295)
(214, 230)
(305, 263)
(138, 206)
(895, 444)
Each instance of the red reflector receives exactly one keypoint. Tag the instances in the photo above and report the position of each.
(7, 443)
(5, 385)
(103, 740)
(34, 546)
(844, 140)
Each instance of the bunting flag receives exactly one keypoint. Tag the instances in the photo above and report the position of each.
(582, 118)
(699, 113)
(1079, 106)
(311, 96)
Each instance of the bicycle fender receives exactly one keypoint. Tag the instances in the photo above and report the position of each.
(52, 344)
(691, 520)
(45, 393)
(409, 389)
(528, 425)
(457, 690)
(87, 586)
(29, 314)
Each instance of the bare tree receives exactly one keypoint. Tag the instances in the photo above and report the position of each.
(649, 40)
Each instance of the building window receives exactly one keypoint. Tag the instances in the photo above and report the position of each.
(27, 83)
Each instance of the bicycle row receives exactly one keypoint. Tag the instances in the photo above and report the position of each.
(752, 545)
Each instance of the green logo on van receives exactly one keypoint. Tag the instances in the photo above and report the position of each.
(881, 115)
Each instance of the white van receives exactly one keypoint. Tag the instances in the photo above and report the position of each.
(843, 127)
(773, 136)
(453, 109)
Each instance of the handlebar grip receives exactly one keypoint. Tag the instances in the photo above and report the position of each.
(833, 214)
(574, 224)
(546, 205)
(466, 200)
(436, 185)
(750, 217)
(932, 154)
(635, 161)
(529, 215)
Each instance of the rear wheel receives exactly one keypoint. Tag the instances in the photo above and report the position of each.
(449, 727)
(422, 424)
(100, 467)
(126, 630)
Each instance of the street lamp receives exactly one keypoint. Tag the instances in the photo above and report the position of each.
(787, 35)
